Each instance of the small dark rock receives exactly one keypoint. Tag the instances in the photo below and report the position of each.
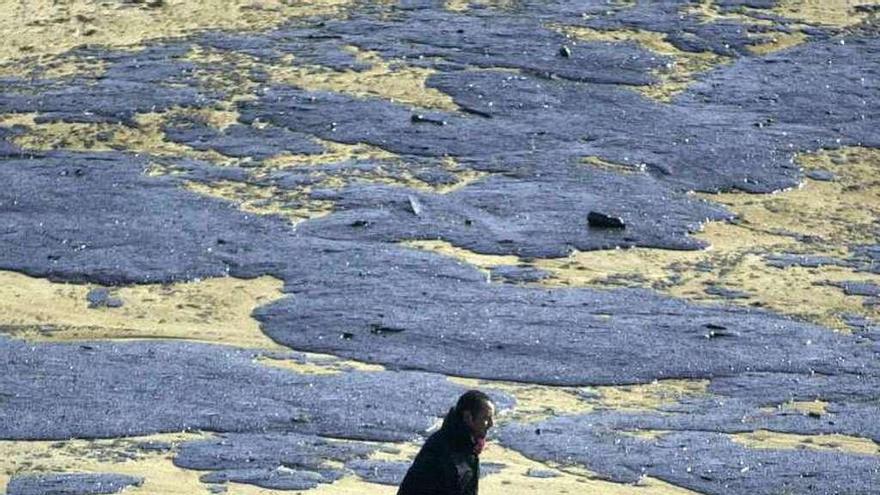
(383, 330)
(114, 302)
(870, 9)
(491, 468)
(789, 260)
(418, 118)
(603, 221)
(764, 123)
(154, 446)
(587, 394)
(382, 472)
(564, 51)
(823, 175)
(541, 473)
(360, 223)
(152, 4)
(518, 274)
(716, 334)
(99, 297)
(726, 293)
(474, 111)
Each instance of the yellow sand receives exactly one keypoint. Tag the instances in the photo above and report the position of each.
(647, 435)
(43, 27)
(650, 396)
(835, 13)
(540, 402)
(340, 152)
(391, 80)
(400, 179)
(708, 11)
(512, 480)
(146, 137)
(675, 77)
(54, 67)
(294, 205)
(832, 13)
(105, 456)
(319, 364)
(775, 42)
(816, 407)
(216, 310)
(482, 261)
(812, 408)
(763, 439)
(334, 153)
(533, 402)
(465, 5)
(619, 168)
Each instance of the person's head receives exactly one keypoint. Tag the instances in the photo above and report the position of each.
(477, 412)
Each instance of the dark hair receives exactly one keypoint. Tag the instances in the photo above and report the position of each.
(472, 401)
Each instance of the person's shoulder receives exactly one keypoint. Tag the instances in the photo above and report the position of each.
(437, 444)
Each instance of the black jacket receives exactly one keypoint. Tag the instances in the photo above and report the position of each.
(446, 465)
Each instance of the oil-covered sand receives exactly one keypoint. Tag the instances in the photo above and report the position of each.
(261, 246)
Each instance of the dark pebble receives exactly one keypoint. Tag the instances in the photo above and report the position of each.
(603, 221)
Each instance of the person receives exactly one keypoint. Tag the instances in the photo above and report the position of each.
(449, 462)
